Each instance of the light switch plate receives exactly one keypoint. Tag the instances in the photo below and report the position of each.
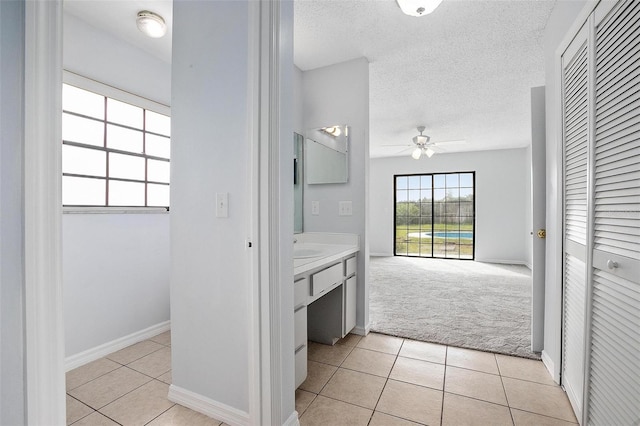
(222, 204)
(315, 208)
(345, 208)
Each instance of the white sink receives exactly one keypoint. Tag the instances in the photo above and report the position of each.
(303, 253)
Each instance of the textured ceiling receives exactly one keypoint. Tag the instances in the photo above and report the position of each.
(464, 71)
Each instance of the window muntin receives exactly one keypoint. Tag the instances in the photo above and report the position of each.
(114, 153)
(435, 215)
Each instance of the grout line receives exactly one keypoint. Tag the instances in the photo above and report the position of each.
(444, 383)
(386, 381)
(506, 397)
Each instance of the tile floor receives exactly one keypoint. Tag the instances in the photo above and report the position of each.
(129, 387)
(381, 380)
(376, 380)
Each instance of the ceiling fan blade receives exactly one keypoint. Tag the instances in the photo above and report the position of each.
(452, 142)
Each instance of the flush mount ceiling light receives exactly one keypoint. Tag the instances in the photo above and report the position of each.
(151, 24)
(418, 7)
(422, 145)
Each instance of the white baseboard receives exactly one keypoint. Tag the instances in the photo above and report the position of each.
(361, 331)
(209, 407)
(292, 420)
(550, 365)
(82, 358)
(381, 254)
(503, 262)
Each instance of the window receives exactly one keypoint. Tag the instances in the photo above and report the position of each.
(114, 152)
(435, 215)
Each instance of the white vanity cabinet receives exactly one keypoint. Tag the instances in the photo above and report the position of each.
(324, 306)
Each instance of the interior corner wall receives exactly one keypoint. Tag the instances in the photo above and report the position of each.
(210, 277)
(332, 95)
(561, 20)
(501, 199)
(115, 266)
(12, 311)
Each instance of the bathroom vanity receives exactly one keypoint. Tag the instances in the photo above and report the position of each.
(325, 277)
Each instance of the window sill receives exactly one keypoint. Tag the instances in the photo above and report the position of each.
(115, 210)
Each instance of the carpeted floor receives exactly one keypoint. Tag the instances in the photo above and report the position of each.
(460, 303)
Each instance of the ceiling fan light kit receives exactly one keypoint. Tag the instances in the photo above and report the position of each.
(422, 145)
(418, 7)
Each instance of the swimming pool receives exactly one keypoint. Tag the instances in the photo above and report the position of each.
(450, 235)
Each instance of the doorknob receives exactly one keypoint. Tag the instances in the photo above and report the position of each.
(612, 264)
(542, 233)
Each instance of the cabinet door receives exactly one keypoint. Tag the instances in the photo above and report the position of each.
(350, 289)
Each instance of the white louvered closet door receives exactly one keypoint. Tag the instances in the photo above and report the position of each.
(614, 334)
(575, 66)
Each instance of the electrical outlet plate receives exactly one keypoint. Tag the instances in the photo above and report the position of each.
(315, 208)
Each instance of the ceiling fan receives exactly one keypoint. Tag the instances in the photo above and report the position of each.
(422, 145)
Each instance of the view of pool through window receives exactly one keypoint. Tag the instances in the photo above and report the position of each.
(435, 215)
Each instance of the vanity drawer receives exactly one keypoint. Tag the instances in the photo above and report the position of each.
(300, 327)
(351, 266)
(301, 365)
(324, 279)
(300, 292)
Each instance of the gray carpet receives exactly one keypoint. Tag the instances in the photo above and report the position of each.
(460, 303)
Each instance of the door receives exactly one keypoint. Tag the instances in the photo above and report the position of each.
(575, 67)
(614, 336)
(538, 204)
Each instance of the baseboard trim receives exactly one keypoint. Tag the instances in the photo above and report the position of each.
(550, 365)
(381, 254)
(361, 331)
(209, 407)
(85, 357)
(503, 262)
(292, 420)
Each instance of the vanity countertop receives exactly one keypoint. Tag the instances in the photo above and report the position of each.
(313, 250)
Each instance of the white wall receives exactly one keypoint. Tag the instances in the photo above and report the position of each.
(502, 200)
(298, 115)
(115, 266)
(12, 385)
(562, 18)
(339, 94)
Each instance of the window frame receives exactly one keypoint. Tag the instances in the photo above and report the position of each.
(433, 188)
(107, 91)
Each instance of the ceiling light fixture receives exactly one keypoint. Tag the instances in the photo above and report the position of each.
(151, 24)
(418, 7)
(422, 145)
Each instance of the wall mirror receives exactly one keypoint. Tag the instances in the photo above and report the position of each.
(298, 184)
(325, 153)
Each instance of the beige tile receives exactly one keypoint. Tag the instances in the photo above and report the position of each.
(418, 372)
(326, 411)
(166, 377)
(76, 410)
(134, 352)
(355, 388)
(318, 374)
(425, 351)
(473, 360)
(538, 398)
(182, 416)
(155, 364)
(105, 389)
(371, 362)
(411, 402)
(328, 354)
(523, 418)
(95, 419)
(303, 400)
(163, 338)
(381, 419)
(141, 405)
(350, 340)
(86, 373)
(461, 411)
(525, 369)
(381, 343)
(475, 384)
